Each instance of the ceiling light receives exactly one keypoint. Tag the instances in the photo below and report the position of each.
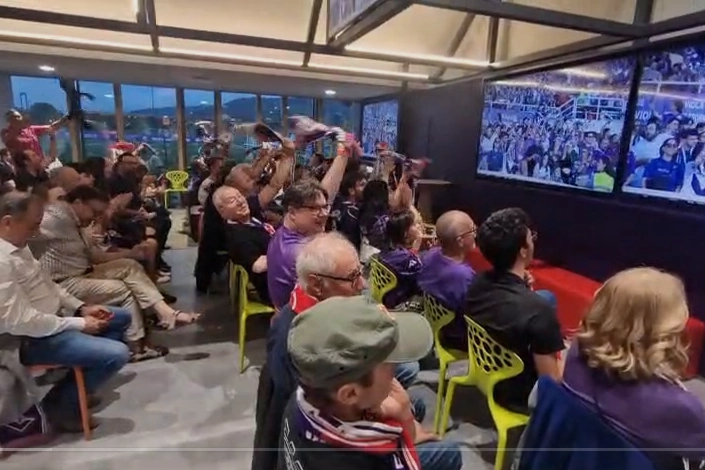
(431, 57)
(381, 73)
(109, 96)
(330, 92)
(76, 41)
(46, 68)
(216, 55)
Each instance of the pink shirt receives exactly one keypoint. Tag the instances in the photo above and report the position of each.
(26, 139)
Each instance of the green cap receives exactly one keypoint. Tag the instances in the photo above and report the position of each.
(341, 339)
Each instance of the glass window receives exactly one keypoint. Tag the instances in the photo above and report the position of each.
(239, 108)
(42, 100)
(343, 114)
(150, 117)
(302, 107)
(100, 114)
(199, 105)
(273, 112)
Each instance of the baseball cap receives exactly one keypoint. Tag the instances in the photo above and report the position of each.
(341, 339)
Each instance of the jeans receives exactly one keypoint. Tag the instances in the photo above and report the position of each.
(99, 356)
(440, 455)
(549, 296)
(406, 373)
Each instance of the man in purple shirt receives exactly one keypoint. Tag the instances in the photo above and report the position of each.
(444, 274)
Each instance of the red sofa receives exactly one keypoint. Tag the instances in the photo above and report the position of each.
(574, 293)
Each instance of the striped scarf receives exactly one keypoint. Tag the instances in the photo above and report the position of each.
(382, 438)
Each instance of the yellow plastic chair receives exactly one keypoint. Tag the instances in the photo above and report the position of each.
(382, 279)
(439, 316)
(492, 364)
(178, 179)
(246, 308)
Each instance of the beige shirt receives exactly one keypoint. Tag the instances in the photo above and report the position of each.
(30, 303)
(66, 246)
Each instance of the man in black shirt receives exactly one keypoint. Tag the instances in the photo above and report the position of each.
(502, 302)
(349, 412)
(247, 237)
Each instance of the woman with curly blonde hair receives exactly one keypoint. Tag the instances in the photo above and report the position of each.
(627, 360)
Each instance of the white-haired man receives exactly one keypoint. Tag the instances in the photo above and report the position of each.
(327, 266)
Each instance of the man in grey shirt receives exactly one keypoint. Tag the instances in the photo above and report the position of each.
(57, 328)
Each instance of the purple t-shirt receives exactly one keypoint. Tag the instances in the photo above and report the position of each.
(445, 279)
(653, 414)
(406, 266)
(281, 264)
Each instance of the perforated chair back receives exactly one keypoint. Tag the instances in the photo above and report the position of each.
(178, 179)
(437, 315)
(382, 279)
(493, 362)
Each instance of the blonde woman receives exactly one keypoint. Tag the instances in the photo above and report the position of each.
(626, 363)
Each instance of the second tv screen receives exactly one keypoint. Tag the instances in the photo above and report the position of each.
(561, 127)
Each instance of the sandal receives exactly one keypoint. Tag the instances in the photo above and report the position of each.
(146, 354)
(179, 318)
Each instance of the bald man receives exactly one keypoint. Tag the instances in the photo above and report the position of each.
(444, 274)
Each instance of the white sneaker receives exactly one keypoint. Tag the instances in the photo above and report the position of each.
(163, 279)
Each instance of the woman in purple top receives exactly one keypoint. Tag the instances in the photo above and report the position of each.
(626, 364)
(404, 235)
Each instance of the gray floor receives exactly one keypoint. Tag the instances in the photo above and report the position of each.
(194, 410)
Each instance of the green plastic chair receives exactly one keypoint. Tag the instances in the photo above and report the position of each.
(439, 316)
(246, 308)
(382, 279)
(492, 364)
(178, 179)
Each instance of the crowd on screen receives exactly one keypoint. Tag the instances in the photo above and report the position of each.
(379, 124)
(686, 65)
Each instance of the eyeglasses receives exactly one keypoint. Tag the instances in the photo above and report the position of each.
(351, 278)
(318, 209)
(472, 231)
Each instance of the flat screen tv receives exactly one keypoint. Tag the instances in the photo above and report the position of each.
(561, 127)
(379, 124)
(666, 156)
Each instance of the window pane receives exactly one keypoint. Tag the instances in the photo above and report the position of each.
(42, 100)
(343, 114)
(199, 105)
(273, 112)
(150, 117)
(239, 108)
(100, 112)
(302, 107)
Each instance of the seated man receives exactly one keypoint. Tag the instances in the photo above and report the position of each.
(446, 276)
(349, 412)
(91, 274)
(57, 327)
(502, 302)
(247, 237)
(327, 266)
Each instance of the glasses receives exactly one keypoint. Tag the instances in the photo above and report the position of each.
(472, 231)
(351, 278)
(318, 209)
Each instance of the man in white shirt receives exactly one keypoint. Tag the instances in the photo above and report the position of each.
(57, 327)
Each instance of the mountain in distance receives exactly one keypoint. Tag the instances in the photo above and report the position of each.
(239, 108)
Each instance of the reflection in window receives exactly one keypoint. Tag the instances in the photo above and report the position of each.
(43, 101)
(273, 112)
(100, 114)
(199, 105)
(302, 107)
(343, 114)
(150, 117)
(239, 108)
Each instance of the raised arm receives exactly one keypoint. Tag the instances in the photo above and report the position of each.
(334, 175)
(280, 177)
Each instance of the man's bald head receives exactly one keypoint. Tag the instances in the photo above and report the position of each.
(455, 231)
(328, 265)
(65, 177)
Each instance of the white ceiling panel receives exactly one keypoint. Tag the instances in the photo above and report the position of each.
(223, 51)
(474, 45)
(81, 35)
(109, 9)
(616, 10)
(665, 9)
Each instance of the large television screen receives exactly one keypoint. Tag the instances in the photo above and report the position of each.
(561, 127)
(379, 124)
(667, 147)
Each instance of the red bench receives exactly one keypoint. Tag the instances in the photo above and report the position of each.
(574, 294)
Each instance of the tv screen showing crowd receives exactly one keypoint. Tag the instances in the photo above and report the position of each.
(379, 125)
(567, 127)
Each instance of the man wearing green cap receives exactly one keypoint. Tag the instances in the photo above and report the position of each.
(349, 412)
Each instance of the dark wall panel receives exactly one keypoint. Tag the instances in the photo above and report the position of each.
(589, 234)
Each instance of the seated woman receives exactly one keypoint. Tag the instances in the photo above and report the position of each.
(404, 236)
(626, 364)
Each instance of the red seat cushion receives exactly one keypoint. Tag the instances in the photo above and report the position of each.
(574, 294)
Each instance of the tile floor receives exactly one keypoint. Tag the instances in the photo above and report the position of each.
(194, 410)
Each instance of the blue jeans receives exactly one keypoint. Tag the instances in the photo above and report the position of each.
(440, 455)
(99, 356)
(549, 296)
(406, 373)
